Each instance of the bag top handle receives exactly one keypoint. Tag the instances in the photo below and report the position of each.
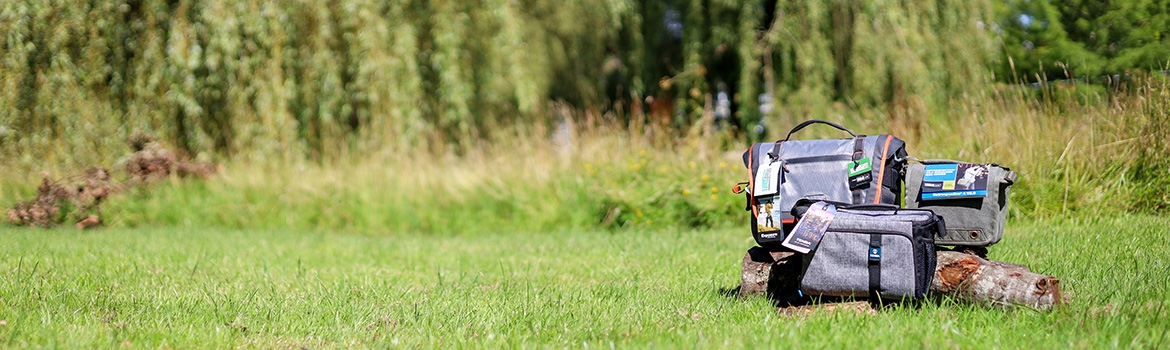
(817, 121)
(879, 206)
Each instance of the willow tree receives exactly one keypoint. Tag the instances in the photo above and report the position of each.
(326, 79)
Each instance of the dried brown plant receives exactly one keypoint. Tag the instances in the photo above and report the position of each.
(84, 193)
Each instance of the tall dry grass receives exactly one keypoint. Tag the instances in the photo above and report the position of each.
(1088, 155)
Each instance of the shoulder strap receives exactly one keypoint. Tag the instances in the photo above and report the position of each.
(875, 266)
(858, 194)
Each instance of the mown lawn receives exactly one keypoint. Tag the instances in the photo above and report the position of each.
(190, 287)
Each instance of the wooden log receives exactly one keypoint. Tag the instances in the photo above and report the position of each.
(991, 283)
(965, 277)
(767, 273)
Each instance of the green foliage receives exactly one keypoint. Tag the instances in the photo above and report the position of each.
(325, 80)
(387, 97)
(1083, 39)
(536, 189)
(289, 78)
(187, 287)
(906, 57)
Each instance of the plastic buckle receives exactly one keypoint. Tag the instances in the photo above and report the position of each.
(875, 254)
(739, 188)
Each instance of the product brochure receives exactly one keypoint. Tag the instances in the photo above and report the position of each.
(942, 181)
(768, 215)
(811, 227)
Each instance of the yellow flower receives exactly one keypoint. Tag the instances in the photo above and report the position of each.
(692, 164)
(638, 213)
(642, 153)
(686, 192)
(714, 197)
(714, 189)
(722, 165)
(704, 177)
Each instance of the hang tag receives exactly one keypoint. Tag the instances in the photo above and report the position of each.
(963, 180)
(769, 217)
(860, 173)
(767, 180)
(811, 228)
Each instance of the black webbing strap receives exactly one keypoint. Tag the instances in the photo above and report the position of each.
(858, 142)
(858, 193)
(875, 265)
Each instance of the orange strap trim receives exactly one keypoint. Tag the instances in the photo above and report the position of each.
(877, 197)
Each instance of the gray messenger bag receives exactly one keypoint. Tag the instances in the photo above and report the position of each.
(858, 169)
(973, 198)
(873, 250)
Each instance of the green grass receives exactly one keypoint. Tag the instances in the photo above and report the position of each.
(215, 288)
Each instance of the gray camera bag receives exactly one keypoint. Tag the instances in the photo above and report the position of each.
(875, 251)
(818, 169)
(973, 222)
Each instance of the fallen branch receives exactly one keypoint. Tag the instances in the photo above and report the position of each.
(992, 283)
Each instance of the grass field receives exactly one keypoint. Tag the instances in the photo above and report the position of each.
(188, 287)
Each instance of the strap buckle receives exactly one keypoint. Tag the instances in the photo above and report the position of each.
(739, 188)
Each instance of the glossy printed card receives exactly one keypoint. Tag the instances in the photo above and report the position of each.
(943, 181)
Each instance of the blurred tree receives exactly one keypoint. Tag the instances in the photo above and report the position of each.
(323, 79)
(1051, 39)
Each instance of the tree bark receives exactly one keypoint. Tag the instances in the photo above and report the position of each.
(991, 283)
(962, 276)
(771, 274)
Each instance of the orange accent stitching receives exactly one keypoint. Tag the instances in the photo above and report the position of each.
(877, 197)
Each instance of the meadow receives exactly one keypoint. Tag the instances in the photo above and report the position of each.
(218, 288)
(611, 238)
(483, 174)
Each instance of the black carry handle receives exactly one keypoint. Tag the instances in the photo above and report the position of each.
(817, 121)
(884, 206)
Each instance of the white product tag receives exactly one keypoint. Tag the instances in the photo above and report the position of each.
(767, 180)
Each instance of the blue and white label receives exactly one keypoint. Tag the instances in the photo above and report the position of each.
(941, 181)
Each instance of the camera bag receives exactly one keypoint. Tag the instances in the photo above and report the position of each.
(859, 169)
(975, 218)
(875, 251)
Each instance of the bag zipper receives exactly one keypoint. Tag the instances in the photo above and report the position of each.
(814, 159)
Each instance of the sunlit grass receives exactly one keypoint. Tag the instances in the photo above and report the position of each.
(214, 288)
